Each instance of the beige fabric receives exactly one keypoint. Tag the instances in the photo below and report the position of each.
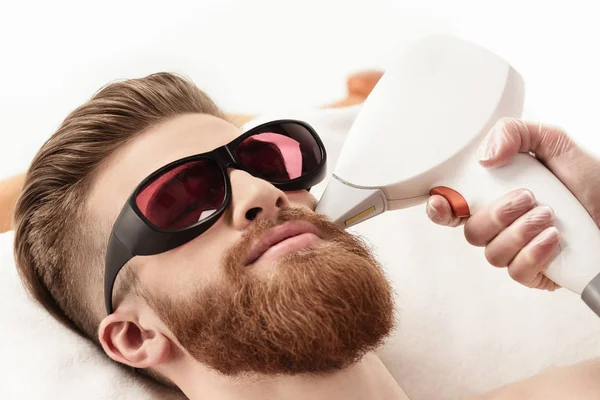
(9, 191)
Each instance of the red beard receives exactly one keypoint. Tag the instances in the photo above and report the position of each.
(322, 310)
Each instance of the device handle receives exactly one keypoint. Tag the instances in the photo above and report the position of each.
(578, 261)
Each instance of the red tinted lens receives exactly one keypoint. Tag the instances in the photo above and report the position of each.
(284, 152)
(184, 195)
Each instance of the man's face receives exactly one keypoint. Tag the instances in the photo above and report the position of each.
(311, 303)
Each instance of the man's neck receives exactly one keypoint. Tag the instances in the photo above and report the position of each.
(368, 379)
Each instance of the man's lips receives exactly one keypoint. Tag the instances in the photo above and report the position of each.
(282, 239)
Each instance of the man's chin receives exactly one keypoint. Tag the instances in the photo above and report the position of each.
(321, 310)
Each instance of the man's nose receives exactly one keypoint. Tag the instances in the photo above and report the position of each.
(252, 197)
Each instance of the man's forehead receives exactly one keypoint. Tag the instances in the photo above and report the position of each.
(157, 146)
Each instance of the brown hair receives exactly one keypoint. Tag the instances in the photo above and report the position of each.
(59, 249)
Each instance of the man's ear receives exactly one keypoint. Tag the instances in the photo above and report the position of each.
(126, 341)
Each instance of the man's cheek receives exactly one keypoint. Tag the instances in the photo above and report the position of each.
(302, 199)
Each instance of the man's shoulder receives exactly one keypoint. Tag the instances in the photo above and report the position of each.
(579, 381)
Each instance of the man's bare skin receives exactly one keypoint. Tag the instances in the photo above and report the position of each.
(579, 381)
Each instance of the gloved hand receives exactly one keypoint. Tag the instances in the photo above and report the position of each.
(516, 232)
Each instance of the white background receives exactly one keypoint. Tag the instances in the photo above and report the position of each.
(257, 56)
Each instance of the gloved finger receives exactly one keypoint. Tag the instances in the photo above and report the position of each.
(439, 211)
(505, 247)
(486, 224)
(510, 136)
(533, 259)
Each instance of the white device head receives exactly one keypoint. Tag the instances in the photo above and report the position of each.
(430, 106)
(417, 134)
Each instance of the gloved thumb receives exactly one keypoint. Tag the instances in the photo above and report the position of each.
(510, 136)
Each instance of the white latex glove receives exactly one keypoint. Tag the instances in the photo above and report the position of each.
(515, 231)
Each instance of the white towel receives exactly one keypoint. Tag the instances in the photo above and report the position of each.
(463, 326)
(41, 359)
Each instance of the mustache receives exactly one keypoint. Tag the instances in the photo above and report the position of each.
(330, 231)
